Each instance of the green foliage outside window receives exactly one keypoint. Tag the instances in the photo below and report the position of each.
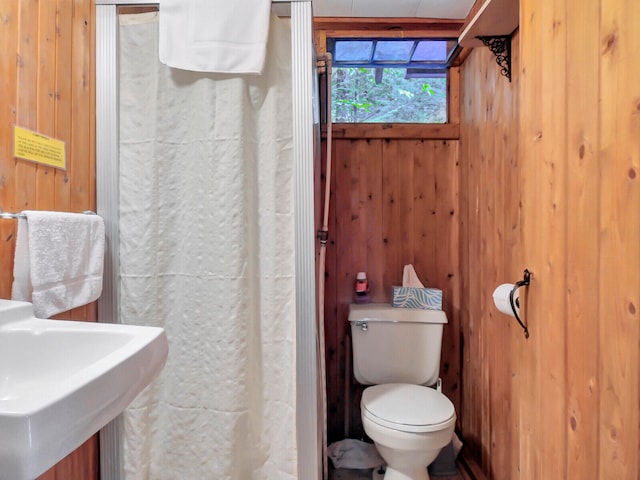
(357, 98)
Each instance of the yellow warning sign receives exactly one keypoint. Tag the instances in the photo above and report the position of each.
(38, 148)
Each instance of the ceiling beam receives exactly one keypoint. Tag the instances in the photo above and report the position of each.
(389, 27)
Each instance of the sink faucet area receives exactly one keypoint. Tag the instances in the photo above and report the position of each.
(62, 381)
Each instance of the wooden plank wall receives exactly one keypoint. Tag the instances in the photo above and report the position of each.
(47, 84)
(489, 236)
(566, 402)
(394, 202)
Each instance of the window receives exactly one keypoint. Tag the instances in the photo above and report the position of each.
(390, 80)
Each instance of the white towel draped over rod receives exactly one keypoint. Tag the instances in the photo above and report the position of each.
(22, 215)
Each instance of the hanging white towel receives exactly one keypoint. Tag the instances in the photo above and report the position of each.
(21, 275)
(59, 261)
(219, 36)
(410, 277)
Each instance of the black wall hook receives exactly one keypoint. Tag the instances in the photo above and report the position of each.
(515, 304)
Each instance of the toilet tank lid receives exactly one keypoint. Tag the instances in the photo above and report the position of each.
(384, 312)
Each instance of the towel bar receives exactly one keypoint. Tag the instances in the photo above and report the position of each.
(22, 215)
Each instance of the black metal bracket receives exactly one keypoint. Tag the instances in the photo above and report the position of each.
(515, 304)
(323, 236)
(500, 46)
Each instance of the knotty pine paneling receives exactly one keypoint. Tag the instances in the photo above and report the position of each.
(394, 202)
(618, 328)
(82, 463)
(582, 305)
(489, 236)
(47, 78)
(549, 181)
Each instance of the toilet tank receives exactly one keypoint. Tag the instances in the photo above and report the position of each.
(395, 345)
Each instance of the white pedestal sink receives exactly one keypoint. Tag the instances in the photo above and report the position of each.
(62, 381)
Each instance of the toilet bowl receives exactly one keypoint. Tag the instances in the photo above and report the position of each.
(409, 424)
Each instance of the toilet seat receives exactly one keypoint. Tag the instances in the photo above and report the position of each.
(408, 408)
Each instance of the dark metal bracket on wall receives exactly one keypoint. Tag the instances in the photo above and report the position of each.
(515, 302)
(500, 46)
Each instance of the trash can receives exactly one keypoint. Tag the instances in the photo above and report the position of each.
(445, 464)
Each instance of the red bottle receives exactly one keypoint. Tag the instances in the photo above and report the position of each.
(361, 288)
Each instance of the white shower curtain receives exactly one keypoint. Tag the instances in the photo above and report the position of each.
(207, 252)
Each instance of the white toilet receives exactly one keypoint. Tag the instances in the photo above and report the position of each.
(397, 350)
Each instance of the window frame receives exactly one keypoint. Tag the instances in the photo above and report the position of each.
(372, 63)
(397, 28)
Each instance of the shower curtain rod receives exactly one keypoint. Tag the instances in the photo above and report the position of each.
(138, 2)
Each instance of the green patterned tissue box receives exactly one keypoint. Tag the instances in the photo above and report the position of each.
(411, 297)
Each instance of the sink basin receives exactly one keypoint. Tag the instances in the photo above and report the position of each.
(62, 381)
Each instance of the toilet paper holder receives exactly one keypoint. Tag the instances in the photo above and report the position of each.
(515, 302)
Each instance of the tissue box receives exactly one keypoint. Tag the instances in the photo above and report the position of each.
(411, 297)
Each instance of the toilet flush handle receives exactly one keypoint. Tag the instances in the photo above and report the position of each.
(363, 326)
